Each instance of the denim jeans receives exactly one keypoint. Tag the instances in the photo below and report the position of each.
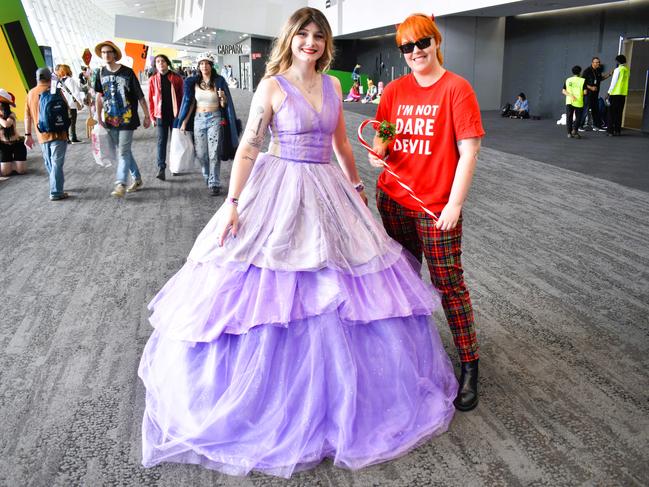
(590, 116)
(163, 129)
(54, 157)
(206, 142)
(122, 141)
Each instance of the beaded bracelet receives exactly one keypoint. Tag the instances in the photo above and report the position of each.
(234, 201)
(360, 187)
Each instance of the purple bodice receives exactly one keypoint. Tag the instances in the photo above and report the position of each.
(304, 135)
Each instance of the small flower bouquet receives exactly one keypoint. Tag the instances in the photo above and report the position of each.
(385, 130)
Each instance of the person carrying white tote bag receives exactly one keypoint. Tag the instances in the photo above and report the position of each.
(102, 150)
(181, 152)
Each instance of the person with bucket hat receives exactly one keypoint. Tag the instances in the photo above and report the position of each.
(53, 141)
(118, 94)
(207, 109)
(13, 154)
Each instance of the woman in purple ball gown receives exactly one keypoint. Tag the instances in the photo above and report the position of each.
(297, 329)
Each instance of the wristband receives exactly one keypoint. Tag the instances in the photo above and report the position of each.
(233, 201)
(360, 187)
(28, 135)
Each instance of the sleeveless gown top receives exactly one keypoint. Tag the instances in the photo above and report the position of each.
(304, 134)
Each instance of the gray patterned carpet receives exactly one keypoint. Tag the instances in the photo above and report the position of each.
(557, 262)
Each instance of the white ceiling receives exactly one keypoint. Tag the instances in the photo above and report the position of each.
(203, 38)
(532, 6)
(152, 9)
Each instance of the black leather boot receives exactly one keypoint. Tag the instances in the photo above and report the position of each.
(467, 394)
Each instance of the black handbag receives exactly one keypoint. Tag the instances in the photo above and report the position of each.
(226, 150)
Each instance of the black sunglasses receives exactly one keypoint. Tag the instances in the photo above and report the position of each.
(408, 47)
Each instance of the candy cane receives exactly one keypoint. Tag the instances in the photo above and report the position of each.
(388, 169)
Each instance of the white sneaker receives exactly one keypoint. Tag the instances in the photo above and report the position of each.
(137, 184)
(119, 191)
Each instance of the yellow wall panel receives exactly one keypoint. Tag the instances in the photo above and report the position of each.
(10, 78)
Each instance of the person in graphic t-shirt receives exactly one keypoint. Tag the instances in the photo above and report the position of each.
(435, 151)
(118, 94)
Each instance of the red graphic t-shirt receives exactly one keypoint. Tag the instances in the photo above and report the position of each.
(429, 122)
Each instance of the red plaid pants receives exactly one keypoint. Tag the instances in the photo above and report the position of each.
(416, 231)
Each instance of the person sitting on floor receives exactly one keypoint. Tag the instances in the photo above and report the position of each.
(379, 92)
(13, 154)
(521, 108)
(354, 93)
(371, 92)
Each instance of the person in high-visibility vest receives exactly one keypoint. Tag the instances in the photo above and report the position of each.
(617, 96)
(574, 90)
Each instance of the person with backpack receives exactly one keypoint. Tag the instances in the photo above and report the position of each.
(118, 94)
(47, 113)
(73, 97)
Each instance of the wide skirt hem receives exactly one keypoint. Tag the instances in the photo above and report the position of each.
(243, 466)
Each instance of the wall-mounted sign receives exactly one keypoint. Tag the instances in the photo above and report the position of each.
(229, 49)
(232, 49)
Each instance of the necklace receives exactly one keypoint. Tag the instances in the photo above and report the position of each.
(204, 85)
(307, 87)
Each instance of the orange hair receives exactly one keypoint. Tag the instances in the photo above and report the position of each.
(417, 26)
(63, 70)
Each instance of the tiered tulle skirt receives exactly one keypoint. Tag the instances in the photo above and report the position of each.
(308, 336)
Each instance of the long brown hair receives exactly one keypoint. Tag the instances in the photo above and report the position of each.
(281, 56)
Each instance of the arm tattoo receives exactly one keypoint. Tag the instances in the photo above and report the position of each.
(249, 158)
(255, 142)
(260, 111)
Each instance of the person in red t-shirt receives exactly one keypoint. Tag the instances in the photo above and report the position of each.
(434, 152)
